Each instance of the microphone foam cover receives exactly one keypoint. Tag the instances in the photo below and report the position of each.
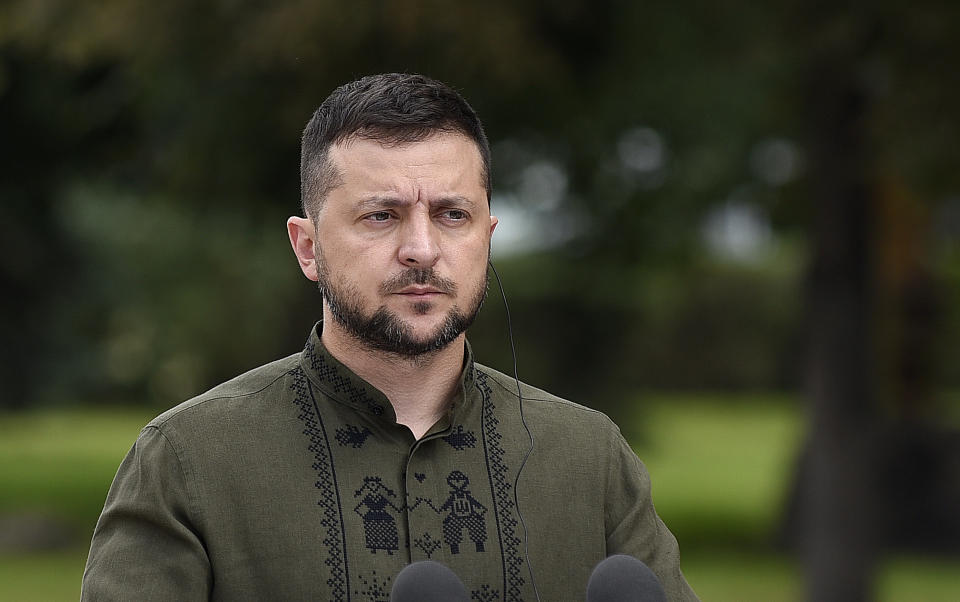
(623, 578)
(428, 581)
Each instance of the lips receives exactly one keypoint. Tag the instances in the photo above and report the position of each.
(419, 291)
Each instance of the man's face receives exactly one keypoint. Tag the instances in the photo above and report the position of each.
(402, 244)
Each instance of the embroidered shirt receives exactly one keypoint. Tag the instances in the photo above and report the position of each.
(294, 482)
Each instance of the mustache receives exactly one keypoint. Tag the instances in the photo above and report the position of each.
(421, 276)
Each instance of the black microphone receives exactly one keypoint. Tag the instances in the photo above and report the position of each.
(622, 578)
(428, 581)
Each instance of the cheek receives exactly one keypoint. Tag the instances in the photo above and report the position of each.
(468, 258)
(365, 269)
(352, 256)
(471, 262)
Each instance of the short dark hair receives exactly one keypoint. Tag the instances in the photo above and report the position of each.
(394, 108)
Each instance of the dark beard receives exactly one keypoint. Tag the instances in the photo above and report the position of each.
(385, 331)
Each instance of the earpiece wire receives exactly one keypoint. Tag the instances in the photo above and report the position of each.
(516, 378)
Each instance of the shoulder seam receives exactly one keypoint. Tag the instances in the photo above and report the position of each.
(193, 495)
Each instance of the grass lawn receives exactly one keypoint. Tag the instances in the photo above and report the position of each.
(719, 466)
(57, 465)
(42, 576)
(61, 462)
(719, 469)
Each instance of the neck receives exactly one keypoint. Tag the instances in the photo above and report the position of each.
(419, 388)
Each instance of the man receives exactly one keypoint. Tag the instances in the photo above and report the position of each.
(320, 476)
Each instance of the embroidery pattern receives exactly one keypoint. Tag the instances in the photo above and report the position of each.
(379, 526)
(373, 589)
(460, 440)
(353, 436)
(420, 477)
(463, 512)
(502, 497)
(340, 384)
(420, 500)
(427, 544)
(329, 501)
(485, 594)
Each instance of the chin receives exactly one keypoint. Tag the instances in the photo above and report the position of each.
(425, 330)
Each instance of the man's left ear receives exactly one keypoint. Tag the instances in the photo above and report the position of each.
(493, 224)
(303, 235)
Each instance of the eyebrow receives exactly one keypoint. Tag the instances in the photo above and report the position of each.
(381, 202)
(452, 201)
(390, 202)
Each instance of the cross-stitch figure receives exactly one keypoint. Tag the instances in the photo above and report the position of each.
(464, 513)
(379, 527)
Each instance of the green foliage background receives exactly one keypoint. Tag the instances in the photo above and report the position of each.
(150, 159)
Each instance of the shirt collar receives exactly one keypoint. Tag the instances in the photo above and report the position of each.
(342, 384)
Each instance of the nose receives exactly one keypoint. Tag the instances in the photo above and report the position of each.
(418, 245)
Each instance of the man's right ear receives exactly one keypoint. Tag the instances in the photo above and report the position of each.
(303, 235)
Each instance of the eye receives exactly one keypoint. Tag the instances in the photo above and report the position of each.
(379, 216)
(455, 215)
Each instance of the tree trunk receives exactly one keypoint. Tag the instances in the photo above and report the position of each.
(837, 504)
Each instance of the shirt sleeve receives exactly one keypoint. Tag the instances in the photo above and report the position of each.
(145, 545)
(633, 527)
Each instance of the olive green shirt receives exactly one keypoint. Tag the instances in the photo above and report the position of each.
(294, 482)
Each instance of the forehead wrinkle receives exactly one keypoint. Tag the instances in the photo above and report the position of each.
(415, 178)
